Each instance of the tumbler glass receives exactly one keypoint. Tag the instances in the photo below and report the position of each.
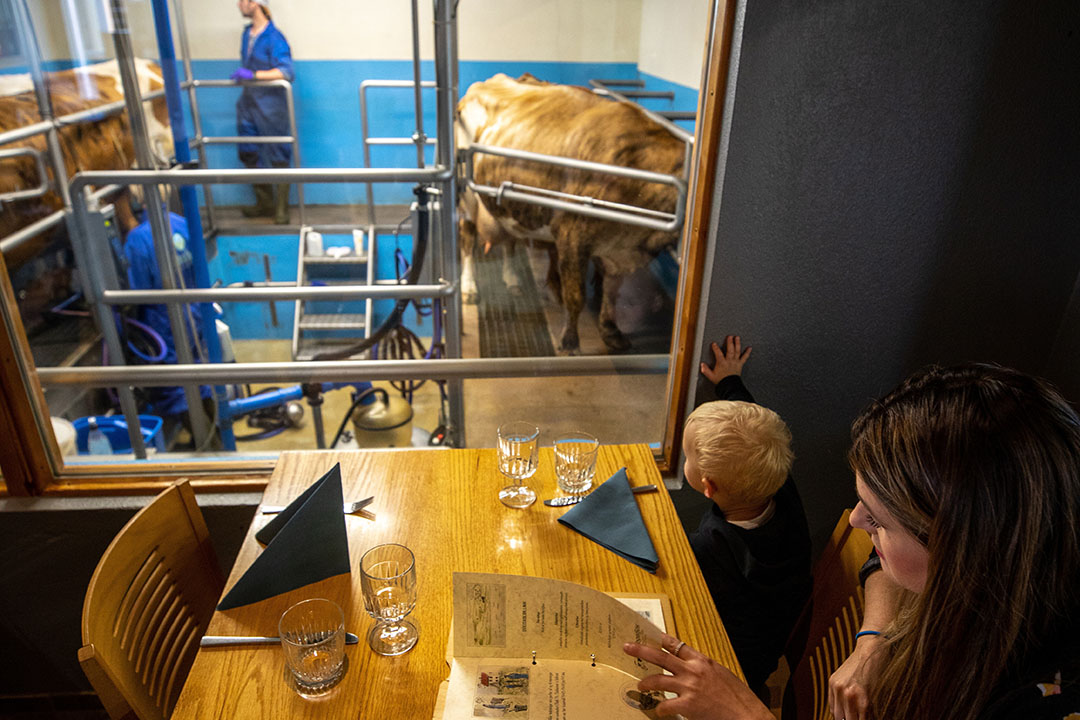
(575, 462)
(313, 639)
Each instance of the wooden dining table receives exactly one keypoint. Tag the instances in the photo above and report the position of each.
(444, 505)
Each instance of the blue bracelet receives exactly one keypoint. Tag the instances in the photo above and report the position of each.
(866, 632)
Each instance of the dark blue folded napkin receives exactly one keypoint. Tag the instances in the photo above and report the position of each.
(307, 542)
(610, 517)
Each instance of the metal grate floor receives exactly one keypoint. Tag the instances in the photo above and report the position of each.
(511, 325)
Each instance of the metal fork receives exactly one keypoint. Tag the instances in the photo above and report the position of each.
(349, 507)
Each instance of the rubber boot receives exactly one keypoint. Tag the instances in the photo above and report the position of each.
(281, 205)
(264, 203)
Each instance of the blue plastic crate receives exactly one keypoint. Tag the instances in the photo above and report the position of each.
(116, 431)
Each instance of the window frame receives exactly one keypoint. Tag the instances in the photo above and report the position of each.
(25, 456)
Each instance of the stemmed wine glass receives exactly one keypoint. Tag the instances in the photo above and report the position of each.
(519, 444)
(388, 581)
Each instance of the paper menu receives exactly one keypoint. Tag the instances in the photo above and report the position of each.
(527, 647)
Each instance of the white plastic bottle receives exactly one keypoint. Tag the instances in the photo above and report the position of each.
(96, 441)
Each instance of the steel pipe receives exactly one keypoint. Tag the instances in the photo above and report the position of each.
(671, 127)
(18, 237)
(292, 292)
(621, 83)
(584, 209)
(585, 199)
(252, 139)
(245, 177)
(47, 223)
(32, 53)
(160, 227)
(418, 136)
(24, 132)
(193, 103)
(660, 94)
(397, 141)
(100, 111)
(445, 223)
(678, 114)
(574, 163)
(366, 142)
(39, 160)
(352, 370)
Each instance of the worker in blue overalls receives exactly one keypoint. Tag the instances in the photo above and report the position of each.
(265, 55)
(143, 273)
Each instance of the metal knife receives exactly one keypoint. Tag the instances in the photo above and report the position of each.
(349, 507)
(219, 640)
(575, 499)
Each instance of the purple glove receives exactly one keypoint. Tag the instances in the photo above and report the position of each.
(242, 73)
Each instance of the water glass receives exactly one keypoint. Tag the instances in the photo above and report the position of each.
(519, 447)
(388, 582)
(313, 638)
(575, 462)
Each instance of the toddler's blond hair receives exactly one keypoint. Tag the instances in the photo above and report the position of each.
(743, 447)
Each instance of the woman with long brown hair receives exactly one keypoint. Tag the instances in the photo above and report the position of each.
(969, 484)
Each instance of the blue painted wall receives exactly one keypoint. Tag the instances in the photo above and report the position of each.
(241, 258)
(328, 114)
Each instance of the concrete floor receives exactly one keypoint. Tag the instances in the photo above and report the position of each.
(616, 408)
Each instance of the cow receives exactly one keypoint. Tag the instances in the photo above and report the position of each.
(569, 121)
(101, 144)
(40, 268)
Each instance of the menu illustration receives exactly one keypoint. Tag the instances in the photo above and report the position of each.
(540, 649)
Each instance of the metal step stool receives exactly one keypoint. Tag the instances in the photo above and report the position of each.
(310, 328)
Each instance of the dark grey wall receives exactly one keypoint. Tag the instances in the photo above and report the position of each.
(50, 548)
(902, 187)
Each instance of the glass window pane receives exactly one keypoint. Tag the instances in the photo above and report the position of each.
(564, 260)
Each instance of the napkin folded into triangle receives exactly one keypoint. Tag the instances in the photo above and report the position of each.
(305, 543)
(610, 517)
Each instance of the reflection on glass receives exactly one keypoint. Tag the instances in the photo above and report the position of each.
(607, 288)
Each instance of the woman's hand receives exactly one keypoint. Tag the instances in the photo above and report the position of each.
(706, 690)
(848, 697)
(727, 361)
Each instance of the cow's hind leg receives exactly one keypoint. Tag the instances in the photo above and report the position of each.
(613, 338)
(510, 249)
(571, 269)
(554, 280)
(467, 240)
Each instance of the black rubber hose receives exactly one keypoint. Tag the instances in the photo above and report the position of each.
(352, 408)
(394, 319)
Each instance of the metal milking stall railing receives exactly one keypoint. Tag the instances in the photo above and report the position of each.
(453, 369)
(664, 119)
(91, 238)
(584, 205)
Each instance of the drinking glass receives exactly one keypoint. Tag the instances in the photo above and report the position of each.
(575, 462)
(519, 444)
(313, 638)
(388, 581)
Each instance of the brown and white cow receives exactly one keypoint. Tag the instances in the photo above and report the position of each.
(102, 144)
(569, 121)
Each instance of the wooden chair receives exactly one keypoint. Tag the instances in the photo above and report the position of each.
(828, 624)
(148, 605)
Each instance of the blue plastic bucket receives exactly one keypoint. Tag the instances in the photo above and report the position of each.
(115, 429)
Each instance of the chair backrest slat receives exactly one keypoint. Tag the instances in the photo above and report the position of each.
(825, 634)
